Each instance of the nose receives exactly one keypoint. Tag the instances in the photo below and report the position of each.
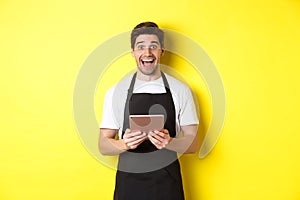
(147, 51)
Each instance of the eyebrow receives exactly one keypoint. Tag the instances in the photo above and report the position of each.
(152, 42)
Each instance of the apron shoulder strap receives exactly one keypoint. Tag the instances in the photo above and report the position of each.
(130, 89)
(126, 109)
(165, 81)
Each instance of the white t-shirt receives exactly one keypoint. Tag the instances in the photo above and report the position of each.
(115, 99)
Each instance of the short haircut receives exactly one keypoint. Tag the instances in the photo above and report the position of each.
(148, 28)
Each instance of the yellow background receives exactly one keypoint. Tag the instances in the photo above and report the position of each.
(254, 44)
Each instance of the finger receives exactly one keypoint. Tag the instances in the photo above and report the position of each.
(154, 140)
(161, 134)
(165, 135)
(126, 134)
(132, 134)
(155, 143)
(164, 141)
(137, 137)
(135, 143)
(165, 131)
(132, 139)
(151, 132)
(141, 135)
(135, 133)
(127, 130)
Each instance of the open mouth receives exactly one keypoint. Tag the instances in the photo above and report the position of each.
(147, 61)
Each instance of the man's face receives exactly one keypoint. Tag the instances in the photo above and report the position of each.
(147, 52)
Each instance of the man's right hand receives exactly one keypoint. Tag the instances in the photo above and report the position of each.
(132, 139)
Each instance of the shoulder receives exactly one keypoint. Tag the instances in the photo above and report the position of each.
(176, 84)
(121, 86)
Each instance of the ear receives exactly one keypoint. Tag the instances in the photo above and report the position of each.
(132, 53)
(162, 52)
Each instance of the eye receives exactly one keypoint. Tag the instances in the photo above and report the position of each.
(140, 47)
(153, 47)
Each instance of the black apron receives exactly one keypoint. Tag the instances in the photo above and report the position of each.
(147, 173)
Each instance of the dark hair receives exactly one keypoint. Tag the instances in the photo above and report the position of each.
(147, 28)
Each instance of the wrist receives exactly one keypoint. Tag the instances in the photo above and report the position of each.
(170, 140)
(124, 146)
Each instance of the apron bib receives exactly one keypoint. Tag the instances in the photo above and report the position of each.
(146, 173)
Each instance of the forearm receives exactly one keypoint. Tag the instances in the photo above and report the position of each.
(108, 145)
(185, 144)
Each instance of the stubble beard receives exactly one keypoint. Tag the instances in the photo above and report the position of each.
(148, 72)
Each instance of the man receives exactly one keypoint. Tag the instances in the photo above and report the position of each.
(148, 166)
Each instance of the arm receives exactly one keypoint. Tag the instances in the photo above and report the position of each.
(188, 143)
(109, 145)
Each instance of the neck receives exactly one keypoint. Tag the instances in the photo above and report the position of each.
(145, 77)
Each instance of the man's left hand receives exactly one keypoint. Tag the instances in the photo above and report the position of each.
(160, 138)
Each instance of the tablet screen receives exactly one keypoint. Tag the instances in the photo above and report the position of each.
(146, 123)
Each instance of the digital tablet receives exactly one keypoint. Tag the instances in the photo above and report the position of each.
(146, 123)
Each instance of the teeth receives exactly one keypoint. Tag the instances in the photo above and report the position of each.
(147, 60)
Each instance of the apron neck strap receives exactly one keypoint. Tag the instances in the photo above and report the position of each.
(165, 81)
(130, 89)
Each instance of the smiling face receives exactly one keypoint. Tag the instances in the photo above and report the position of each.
(147, 52)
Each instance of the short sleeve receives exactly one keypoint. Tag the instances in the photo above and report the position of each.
(188, 112)
(108, 117)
